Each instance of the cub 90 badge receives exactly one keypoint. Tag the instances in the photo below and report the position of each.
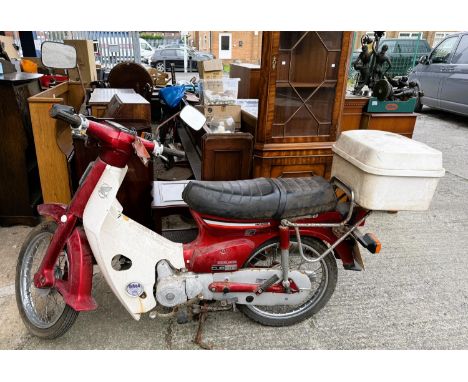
(134, 289)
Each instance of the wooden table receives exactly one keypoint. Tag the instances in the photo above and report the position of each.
(100, 98)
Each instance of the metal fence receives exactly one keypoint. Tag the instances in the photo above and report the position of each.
(110, 48)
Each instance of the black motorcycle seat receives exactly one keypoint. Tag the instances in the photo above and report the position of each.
(261, 198)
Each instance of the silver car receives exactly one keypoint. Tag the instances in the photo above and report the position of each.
(443, 75)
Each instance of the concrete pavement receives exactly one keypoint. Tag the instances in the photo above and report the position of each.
(413, 295)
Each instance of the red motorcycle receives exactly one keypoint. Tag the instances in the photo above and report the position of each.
(266, 246)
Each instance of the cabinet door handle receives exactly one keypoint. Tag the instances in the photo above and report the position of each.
(273, 63)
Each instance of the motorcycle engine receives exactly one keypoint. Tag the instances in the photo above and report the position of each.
(174, 289)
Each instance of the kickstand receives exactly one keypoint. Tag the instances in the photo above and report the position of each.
(198, 337)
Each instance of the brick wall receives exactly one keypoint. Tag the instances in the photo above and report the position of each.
(246, 46)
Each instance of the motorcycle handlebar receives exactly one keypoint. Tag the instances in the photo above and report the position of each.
(66, 114)
(112, 136)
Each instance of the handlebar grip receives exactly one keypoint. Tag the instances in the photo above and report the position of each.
(65, 113)
(173, 152)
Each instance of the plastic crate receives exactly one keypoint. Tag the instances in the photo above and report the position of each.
(220, 91)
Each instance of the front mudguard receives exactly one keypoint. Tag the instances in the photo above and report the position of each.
(343, 251)
(76, 289)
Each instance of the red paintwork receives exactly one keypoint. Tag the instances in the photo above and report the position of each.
(232, 287)
(76, 290)
(47, 79)
(82, 195)
(76, 293)
(228, 246)
(217, 248)
(116, 145)
(284, 237)
(54, 210)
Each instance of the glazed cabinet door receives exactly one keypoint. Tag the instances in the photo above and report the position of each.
(302, 91)
(306, 76)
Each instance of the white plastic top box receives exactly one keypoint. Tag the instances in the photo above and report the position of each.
(387, 171)
(384, 153)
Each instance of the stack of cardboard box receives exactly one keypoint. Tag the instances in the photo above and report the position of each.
(220, 117)
(210, 70)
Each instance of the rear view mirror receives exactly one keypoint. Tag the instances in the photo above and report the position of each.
(192, 117)
(57, 55)
(423, 60)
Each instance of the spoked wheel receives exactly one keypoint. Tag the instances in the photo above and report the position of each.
(323, 275)
(43, 311)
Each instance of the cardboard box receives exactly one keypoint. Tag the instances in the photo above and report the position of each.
(210, 69)
(85, 60)
(223, 111)
(211, 65)
(217, 113)
(212, 75)
(10, 49)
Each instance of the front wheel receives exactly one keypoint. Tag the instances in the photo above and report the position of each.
(42, 310)
(323, 275)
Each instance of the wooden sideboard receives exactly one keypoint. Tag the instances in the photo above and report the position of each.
(356, 117)
(354, 107)
(399, 123)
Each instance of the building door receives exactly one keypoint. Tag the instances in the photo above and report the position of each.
(225, 46)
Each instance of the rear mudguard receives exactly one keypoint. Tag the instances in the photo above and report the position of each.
(343, 251)
(76, 290)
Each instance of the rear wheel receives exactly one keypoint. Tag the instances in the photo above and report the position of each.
(43, 310)
(323, 275)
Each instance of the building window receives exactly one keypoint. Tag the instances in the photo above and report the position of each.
(439, 36)
(371, 34)
(409, 34)
(204, 41)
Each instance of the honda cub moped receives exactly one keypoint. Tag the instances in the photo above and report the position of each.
(266, 246)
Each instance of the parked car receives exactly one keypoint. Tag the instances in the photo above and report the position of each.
(191, 49)
(162, 59)
(403, 53)
(442, 76)
(146, 51)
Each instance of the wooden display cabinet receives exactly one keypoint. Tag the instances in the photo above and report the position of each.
(20, 190)
(302, 91)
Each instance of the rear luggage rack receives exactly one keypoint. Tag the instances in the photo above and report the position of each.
(349, 192)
